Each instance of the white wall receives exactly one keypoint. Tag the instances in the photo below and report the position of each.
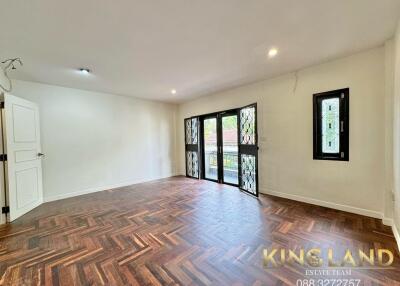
(94, 141)
(389, 89)
(3, 81)
(396, 130)
(286, 162)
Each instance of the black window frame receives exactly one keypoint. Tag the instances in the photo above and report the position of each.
(343, 95)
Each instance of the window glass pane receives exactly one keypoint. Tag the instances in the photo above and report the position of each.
(188, 129)
(230, 149)
(210, 149)
(194, 130)
(330, 125)
(248, 125)
(192, 164)
(249, 173)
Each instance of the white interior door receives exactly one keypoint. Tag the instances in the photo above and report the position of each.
(24, 166)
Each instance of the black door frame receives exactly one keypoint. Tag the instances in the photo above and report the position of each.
(202, 151)
(190, 147)
(218, 115)
(254, 148)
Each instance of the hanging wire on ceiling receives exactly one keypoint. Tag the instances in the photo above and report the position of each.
(9, 65)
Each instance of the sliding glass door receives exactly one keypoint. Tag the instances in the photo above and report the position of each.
(220, 147)
(210, 149)
(225, 149)
(230, 150)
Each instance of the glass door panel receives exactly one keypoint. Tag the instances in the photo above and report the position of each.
(230, 149)
(248, 150)
(210, 148)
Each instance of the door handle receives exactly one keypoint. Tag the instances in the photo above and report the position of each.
(41, 154)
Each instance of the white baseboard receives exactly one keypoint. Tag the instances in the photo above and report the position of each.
(387, 221)
(341, 207)
(396, 235)
(100, 188)
(3, 219)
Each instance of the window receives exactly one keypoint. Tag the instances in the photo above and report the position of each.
(331, 125)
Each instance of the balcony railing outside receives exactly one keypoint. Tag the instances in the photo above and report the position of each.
(230, 163)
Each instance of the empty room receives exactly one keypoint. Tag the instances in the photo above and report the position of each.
(200, 142)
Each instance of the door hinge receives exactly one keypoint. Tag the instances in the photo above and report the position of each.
(3, 157)
(5, 210)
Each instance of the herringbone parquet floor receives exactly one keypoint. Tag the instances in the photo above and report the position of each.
(179, 231)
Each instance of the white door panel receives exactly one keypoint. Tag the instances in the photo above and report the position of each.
(24, 124)
(27, 187)
(25, 155)
(23, 162)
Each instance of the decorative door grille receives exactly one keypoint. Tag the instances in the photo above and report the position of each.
(248, 150)
(192, 147)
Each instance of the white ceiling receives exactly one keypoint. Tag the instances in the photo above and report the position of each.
(145, 48)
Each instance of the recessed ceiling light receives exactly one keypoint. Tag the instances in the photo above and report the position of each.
(173, 91)
(272, 52)
(84, 71)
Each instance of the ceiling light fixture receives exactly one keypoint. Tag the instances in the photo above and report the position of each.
(272, 52)
(84, 71)
(173, 91)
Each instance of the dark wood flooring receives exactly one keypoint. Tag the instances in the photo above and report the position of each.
(179, 231)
